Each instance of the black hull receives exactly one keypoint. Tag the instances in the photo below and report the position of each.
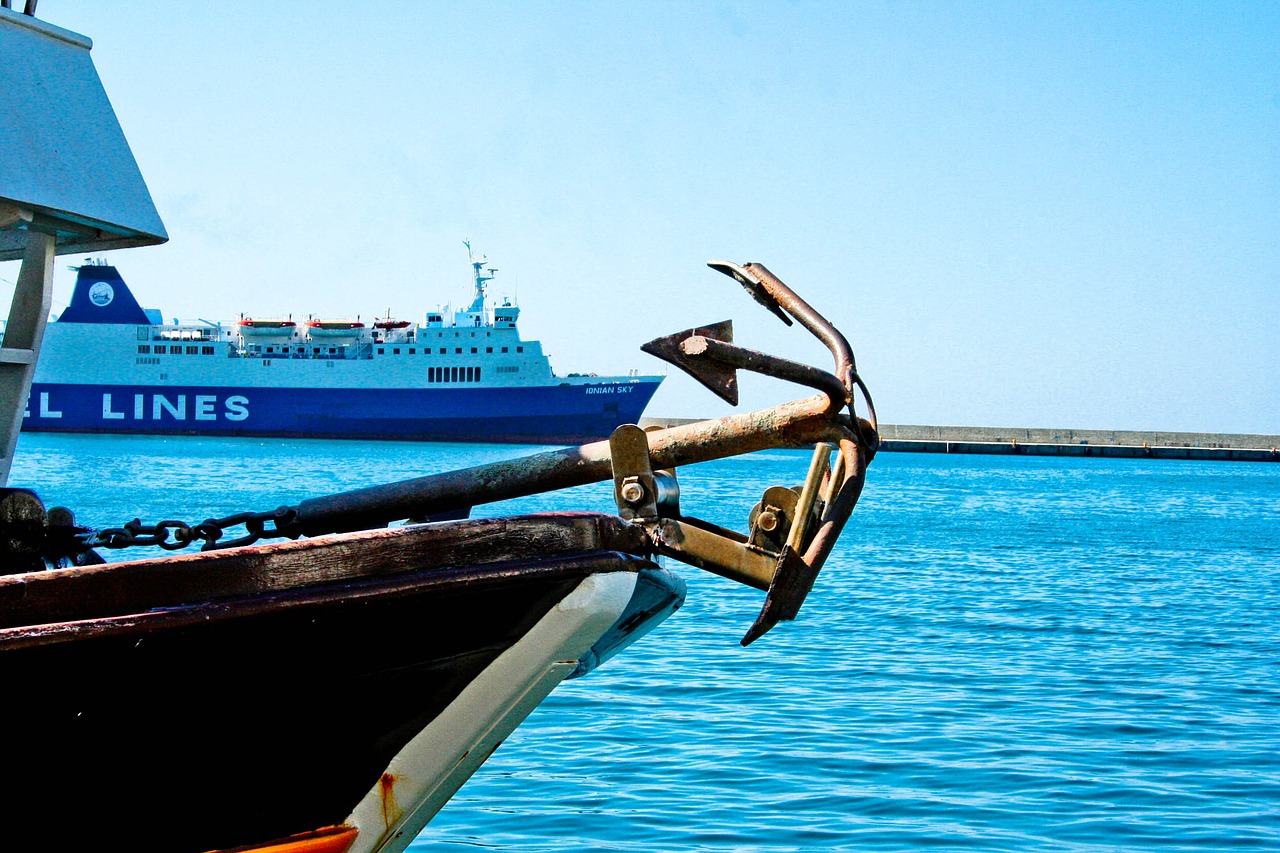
(240, 716)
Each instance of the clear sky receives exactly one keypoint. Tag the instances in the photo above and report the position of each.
(1021, 214)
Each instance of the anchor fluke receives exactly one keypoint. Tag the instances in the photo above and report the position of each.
(753, 284)
(720, 379)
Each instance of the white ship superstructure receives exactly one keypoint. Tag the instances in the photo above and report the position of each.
(111, 366)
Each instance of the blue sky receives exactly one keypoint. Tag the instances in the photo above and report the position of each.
(1021, 214)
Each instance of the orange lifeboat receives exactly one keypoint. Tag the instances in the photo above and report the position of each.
(250, 328)
(334, 328)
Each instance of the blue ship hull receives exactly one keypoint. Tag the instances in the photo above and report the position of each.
(564, 414)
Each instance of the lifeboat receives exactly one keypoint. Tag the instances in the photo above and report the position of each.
(389, 324)
(334, 328)
(265, 328)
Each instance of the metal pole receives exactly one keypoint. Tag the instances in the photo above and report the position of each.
(797, 424)
(23, 333)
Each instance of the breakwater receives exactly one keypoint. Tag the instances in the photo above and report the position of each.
(1040, 441)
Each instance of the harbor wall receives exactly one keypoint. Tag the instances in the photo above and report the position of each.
(1043, 441)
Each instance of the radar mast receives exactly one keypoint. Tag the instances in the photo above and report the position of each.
(477, 265)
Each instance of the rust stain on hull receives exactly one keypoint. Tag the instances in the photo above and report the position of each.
(391, 811)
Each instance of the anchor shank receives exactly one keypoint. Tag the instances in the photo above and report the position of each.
(731, 355)
(795, 424)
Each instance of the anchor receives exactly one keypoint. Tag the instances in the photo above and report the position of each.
(792, 533)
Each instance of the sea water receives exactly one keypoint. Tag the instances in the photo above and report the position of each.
(1004, 653)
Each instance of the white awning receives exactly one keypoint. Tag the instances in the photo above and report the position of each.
(65, 167)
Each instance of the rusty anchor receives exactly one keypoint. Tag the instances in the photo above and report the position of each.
(792, 533)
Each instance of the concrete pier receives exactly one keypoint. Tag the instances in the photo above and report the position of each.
(1023, 441)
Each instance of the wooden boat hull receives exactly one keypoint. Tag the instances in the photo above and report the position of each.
(227, 699)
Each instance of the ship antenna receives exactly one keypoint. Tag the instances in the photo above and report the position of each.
(477, 264)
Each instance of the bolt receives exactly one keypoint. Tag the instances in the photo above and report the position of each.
(632, 492)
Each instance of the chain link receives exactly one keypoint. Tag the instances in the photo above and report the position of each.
(174, 535)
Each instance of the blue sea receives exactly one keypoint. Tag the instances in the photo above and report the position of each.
(1004, 653)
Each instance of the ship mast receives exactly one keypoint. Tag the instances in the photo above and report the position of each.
(477, 264)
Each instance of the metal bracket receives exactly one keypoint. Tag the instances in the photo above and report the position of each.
(769, 559)
(771, 519)
(634, 488)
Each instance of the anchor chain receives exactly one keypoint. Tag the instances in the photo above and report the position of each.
(174, 535)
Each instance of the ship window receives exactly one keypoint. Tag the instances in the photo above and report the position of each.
(508, 368)
(144, 348)
(315, 350)
(504, 349)
(412, 351)
(381, 350)
(332, 350)
(206, 350)
(431, 374)
(453, 374)
(474, 350)
(284, 349)
(395, 351)
(271, 349)
(473, 334)
(457, 350)
(477, 374)
(193, 350)
(161, 349)
(488, 349)
(144, 332)
(519, 349)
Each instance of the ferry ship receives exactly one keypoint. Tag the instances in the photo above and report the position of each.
(109, 365)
